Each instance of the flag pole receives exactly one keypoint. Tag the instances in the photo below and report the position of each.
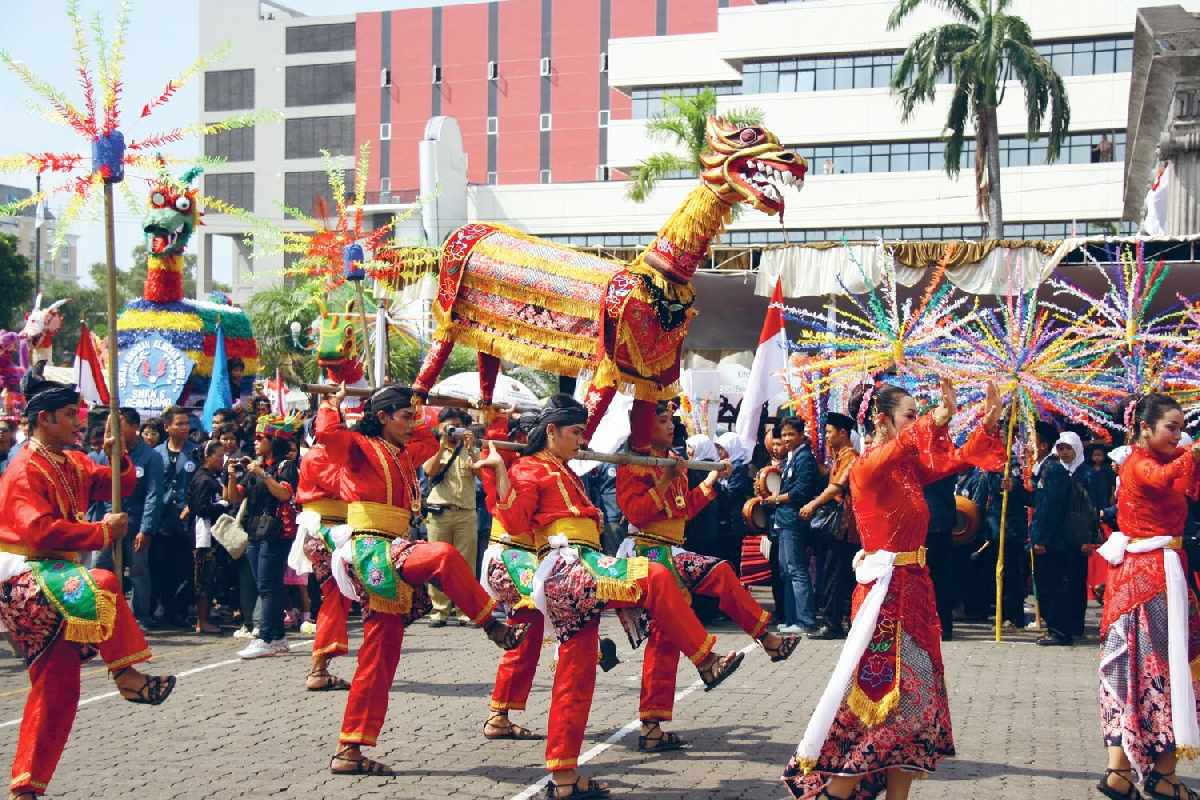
(114, 401)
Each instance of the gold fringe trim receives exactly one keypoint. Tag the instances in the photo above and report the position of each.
(585, 346)
(696, 224)
(608, 374)
(524, 602)
(806, 765)
(1187, 753)
(85, 631)
(401, 605)
(873, 713)
(528, 355)
(613, 589)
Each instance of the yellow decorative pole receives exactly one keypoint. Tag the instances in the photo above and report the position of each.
(1008, 448)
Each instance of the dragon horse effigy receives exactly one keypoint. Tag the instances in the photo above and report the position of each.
(523, 299)
(190, 325)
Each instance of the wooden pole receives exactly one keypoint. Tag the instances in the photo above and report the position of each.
(1012, 427)
(433, 400)
(114, 401)
(624, 458)
(368, 356)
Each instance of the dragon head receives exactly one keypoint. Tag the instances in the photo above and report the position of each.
(173, 216)
(337, 344)
(747, 164)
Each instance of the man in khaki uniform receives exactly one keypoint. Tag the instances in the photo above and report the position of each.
(450, 505)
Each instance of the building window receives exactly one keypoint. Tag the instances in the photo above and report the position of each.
(544, 176)
(825, 73)
(604, 62)
(1077, 148)
(229, 90)
(437, 74)
(493, 70)
(493, 125)
(385, 77)
(303, 190)
(320, 38)
(385, 185)
(491, 179)
(305, 137)
(544, 122)
(319, 84)
(544, 67)
(1090, 56)
(235, 188)
(385, 131)
(602, 172)
(603, 118)
(232, 145)
(647, 102)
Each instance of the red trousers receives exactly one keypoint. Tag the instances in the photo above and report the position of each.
(54, 692)
(575, 677)
(514, 676)
(383, 634)
(332, 638)
(662, 659)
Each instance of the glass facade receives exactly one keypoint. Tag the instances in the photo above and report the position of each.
(320, 38)
(319, 84)
(647, 101)
(305, 137)
(301, 190)
(235, 188)
(1090, 56)
(231, 145)
(229, 90)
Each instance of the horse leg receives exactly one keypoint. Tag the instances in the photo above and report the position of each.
(435, 359)
(489, 369)
(641, 421)
(596, 402)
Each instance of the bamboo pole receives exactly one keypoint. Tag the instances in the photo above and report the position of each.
(114, 402)
(369, 357)
(441, 401)
(625, 458)
(1008, 447)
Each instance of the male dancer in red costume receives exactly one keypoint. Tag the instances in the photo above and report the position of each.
(658, 503)
(323, 510)
(384, 568)
(57, 613)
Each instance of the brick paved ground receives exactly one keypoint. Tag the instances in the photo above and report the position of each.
(1025, 722)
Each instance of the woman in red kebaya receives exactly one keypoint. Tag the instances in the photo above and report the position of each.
(885, 716)
(1150, 629)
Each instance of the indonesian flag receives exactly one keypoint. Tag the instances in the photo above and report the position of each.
(766, 374)
(278, 388)
(1155, 222)
(88, 375)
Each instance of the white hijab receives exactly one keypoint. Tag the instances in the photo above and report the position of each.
(734, 447)
(702, 448)
(1072, 440)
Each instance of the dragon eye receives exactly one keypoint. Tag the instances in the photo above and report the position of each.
(158, 199)
(748, 135)
(183, 204)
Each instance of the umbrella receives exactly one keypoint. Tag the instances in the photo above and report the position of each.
(465, 386)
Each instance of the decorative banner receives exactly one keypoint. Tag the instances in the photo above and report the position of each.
(151, 374)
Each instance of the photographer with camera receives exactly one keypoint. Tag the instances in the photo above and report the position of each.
(450, 502)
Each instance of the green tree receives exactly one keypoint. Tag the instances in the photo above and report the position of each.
(682, 123)
(982, 50)
(17, 280)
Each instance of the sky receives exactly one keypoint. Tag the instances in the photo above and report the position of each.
(161, 43)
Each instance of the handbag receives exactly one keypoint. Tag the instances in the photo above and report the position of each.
(266, 526)
(826, 523)
(229, 533)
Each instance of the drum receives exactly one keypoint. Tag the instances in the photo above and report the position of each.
(755, 515)
(966, 520)
(768, 481)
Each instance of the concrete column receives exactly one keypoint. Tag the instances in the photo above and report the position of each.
(1182, 148)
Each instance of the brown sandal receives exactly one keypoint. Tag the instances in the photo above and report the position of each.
(362, 765)
(329, 683)
(505, 636)
(719, 670)
(512, 731)
(787, 646)
(152, 692)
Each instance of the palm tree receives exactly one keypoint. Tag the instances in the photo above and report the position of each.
(983, 50)
(682, 122)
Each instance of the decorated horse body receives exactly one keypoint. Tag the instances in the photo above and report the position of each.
(622, 325)
(189, 325)
(41, 326)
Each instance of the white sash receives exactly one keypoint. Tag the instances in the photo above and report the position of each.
(560, 549)
(1185, 725)
(877, 567)
(628, 548)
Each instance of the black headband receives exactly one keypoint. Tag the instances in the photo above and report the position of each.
(45, 395)
(390, 398)
(563, 416)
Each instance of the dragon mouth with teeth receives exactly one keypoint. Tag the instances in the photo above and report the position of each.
(163, 240)
(747, 164)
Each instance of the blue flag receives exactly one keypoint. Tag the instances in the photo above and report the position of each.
(219, 394)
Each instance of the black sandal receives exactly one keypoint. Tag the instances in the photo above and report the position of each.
(608, 654)
(504, 636)
(152, 692)
(787, 646)
(362, 765)
(663, 743)
(591, 790)
(513, 731)
(1154, 778)
(331, 682)
(720, 669)
(1108, 791)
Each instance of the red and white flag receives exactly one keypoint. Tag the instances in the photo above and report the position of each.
(88, 375)
(766, 374)
(279, 389)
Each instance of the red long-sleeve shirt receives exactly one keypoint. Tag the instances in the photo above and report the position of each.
(644, 506)
(368, 466)
(543, 491)
(38, 512)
